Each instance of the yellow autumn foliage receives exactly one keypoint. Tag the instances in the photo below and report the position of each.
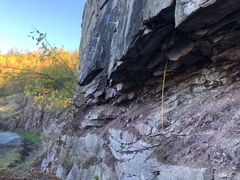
(50, 79)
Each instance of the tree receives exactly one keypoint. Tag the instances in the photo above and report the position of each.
(49, 76)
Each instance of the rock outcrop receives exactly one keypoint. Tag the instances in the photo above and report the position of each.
(117, 132)
(124, 48)
(126, 42)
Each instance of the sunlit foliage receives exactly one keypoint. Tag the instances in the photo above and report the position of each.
(50, 80)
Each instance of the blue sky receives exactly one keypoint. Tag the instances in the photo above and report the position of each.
(60, 19)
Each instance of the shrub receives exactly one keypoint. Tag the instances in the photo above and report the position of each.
(47, 79)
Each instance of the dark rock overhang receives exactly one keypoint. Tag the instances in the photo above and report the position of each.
(130, 42)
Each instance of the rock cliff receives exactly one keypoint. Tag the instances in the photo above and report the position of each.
(124, 48)
(117, 131)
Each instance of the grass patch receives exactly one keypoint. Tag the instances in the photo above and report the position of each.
(21, 158)
(30, 136)
(9, 158)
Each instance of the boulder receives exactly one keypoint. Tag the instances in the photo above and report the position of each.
(9, 139)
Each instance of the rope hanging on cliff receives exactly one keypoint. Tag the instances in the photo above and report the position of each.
(163, 88)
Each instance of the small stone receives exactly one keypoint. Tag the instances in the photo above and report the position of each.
(90, 89)
(119, 63)
(98, 94)
(147, 31)
(131, 96)
(119, 86)
(110, 93)
(223, 175)
(99, 116)
(124, 86)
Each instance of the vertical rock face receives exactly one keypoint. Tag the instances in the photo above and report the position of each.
(117, 133)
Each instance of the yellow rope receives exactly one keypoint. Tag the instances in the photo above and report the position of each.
(163, 88)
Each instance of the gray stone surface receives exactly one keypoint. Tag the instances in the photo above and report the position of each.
(201, 130)
(154, 7)
(119, 38)
(100, 116)
(186, 9)
(124, 48)
(9, 139)
(118, 133)
(79, 158)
